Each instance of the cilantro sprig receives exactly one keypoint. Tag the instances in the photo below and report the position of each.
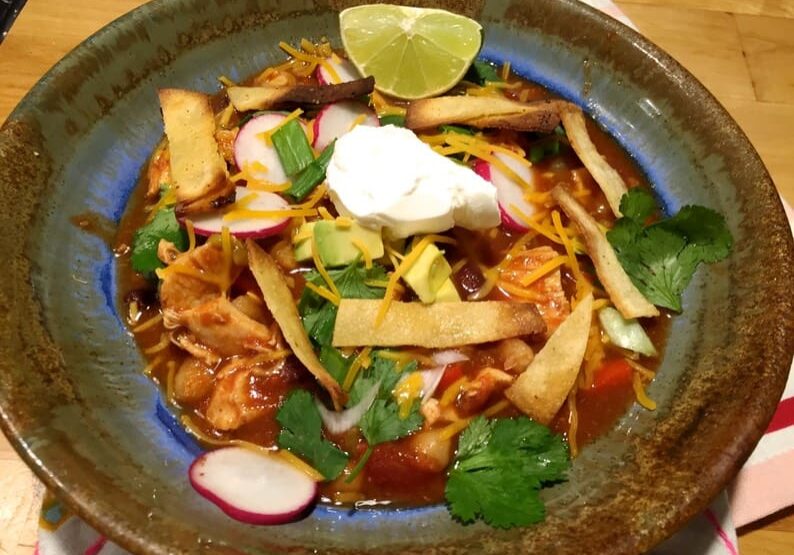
(301, 433)
(319, 315)
(500, 467)
(382, 423)
(164, 225)
(661, 258)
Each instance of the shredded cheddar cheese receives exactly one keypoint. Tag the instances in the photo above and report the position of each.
(191, 235)
(159, 346)
(452, 391)
(357, 364)
(343, 222)
(323, 292)
(544, 269)
(324, 213)
(358, 121)
(359, 244)
(148, 324)
(267, 136)
(406, 392)
(639, 392)
(520, 292)
(245, 214)
(318, 263)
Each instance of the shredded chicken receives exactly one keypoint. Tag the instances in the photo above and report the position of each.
(253, 307)
(515, 353)
(474, 395)
(188, 342)
(196, 285)
(551, 302)
(226, 330)
(431, 411)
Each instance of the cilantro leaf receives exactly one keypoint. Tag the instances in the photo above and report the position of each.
(637, 204)
(335, 362)
(662, 258)
(383, 371)
(382, 422)
(301, 433)
(499, 470)
(481, 72)
(319, 315)
(146, 239)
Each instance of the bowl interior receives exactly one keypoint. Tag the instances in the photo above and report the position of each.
(75, 403)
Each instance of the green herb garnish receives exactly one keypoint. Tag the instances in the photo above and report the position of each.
(293, 147)
(146, 239)
(382, 422)
(301, 433)
(459, 129)
(500, 467)
(319, 315)
(393, 119)
(312, 175)
(661, 258)
(482, 72)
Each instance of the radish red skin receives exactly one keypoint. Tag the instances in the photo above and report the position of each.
(195, 473)
(483, 169)
(251, 228)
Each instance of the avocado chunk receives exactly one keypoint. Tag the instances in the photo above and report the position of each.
(428, 274)
(448, 293)
(303, 248)
(336, 244)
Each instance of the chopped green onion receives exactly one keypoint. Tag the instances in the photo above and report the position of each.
(481, 72)
(536, 153)
(312, 175)
(560, 131)
(456, 129)
(293, 147)
(540, 150)
(393, 119)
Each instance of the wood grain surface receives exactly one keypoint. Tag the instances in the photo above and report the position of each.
(742, 50)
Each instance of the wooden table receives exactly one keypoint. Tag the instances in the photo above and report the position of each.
(742, 50)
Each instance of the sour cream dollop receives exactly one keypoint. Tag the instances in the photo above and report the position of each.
(386, 177)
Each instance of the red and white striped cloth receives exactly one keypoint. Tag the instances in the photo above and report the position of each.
(764, 486)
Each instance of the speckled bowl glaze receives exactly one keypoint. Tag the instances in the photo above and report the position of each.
(76, 407)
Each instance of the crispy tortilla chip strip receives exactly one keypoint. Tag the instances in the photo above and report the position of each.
(479, 111)
(197, 168)
(623, 293)
(281, 304)
(542, 388)
(605, 175)
(261, 98)
(434, 326)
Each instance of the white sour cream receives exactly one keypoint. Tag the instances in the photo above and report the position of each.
(385, 177)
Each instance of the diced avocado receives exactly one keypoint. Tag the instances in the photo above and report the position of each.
(303, 249)
(447, 293)
(336, 243)
(428, 274)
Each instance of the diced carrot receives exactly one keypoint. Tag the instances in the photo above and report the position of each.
(613, 373)
(452, 373)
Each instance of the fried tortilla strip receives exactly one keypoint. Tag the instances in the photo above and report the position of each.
(625, 296)
(605, 175)
(198, 170)
(434, 326)
(479, 111)
(541, 389)
(281, 304)
(261, 98)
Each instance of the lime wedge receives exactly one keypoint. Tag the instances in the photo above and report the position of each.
(411, 52)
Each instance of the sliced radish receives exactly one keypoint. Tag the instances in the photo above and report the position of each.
(345, 70)
(254, 227)
(253, 487)
(337, 119)
(252, 151)
(508, 192)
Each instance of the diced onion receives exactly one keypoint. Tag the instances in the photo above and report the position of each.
(339, 422)
(430, 380)
(443, 358)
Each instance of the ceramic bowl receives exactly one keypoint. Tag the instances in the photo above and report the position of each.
(73, 400)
